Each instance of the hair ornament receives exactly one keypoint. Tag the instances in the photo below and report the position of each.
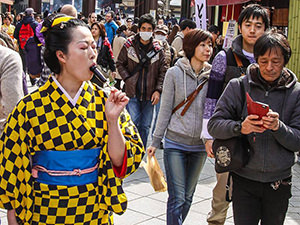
(59, 20)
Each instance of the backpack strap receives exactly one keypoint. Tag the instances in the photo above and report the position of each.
(239, 63)
(237, 59)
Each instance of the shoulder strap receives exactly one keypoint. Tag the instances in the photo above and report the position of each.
(147, 58)
(237, 59)
(189, 100)
(239, 63)
(228, 192)
(177, 35)
(243, 96)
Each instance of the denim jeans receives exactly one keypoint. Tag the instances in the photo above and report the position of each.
(141, 113)
(183, 170)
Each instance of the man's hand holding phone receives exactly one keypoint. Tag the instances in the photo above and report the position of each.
(251, 124)
(271, 121)
(260, 117)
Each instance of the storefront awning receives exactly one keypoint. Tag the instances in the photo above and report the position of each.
(225, 2)
(9, 2)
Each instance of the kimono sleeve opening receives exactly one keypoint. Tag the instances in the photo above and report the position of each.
(121, 170)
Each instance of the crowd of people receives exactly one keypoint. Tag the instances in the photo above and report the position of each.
(69, 144)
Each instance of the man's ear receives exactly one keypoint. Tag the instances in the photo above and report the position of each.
(61, 56)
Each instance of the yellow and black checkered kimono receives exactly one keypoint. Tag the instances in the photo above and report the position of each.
(46, 120)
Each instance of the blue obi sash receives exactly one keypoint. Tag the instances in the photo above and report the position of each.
(67, 161)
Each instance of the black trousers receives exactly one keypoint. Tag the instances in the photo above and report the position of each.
(256, 201)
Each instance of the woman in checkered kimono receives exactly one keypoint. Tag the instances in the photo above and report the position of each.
(67, 146)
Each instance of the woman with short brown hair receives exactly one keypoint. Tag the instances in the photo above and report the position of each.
(184, 151)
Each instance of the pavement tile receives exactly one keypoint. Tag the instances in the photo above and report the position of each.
(160, 196)
(202, 207)
(139, 187)
(131, 218)
(148, 206)
(153, 221)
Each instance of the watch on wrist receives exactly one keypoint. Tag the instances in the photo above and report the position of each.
(237, 128)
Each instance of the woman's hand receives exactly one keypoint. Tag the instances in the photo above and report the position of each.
(151, 151)
(252, 124)
(11, 217)
(208, 148)
(115, 104)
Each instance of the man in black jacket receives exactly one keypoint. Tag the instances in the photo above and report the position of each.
(142, 66)
(253, 21)
(261, 189)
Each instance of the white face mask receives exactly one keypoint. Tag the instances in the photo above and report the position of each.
(146, 35)
(160, 37)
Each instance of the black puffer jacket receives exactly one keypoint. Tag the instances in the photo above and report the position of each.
(273, 151)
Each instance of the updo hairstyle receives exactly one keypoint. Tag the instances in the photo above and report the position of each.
(58, 37)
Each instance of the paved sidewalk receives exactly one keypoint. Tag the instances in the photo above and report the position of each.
(145, 207)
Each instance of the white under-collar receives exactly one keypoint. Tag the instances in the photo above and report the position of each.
(72, 100)
(249, 54)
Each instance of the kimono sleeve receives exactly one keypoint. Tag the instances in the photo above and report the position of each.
(15, 170)
(133, 143)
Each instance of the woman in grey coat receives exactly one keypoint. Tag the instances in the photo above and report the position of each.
(184, 151)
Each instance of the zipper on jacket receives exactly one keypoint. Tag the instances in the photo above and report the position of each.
(267, 93)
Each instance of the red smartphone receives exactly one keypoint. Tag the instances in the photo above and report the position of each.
(256, 108)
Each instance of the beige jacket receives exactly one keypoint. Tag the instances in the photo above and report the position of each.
(11, 89)
(178, 42)
(117, 46)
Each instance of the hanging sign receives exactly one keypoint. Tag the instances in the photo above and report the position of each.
(200, 13)
(229, 34)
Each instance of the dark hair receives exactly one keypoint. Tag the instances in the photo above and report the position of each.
(134, 28)
(187, 23)
(9, 17)
(38, 15)
(90, 15)
(136, 20)
(213, 29)
(101, 29)
(121, 29)
(192, 39)
(255, 11)
(45, 14)
(129, 19)
(147, 18)
(58, 38)
(270, 40)
(173, 33)
(112, 14)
